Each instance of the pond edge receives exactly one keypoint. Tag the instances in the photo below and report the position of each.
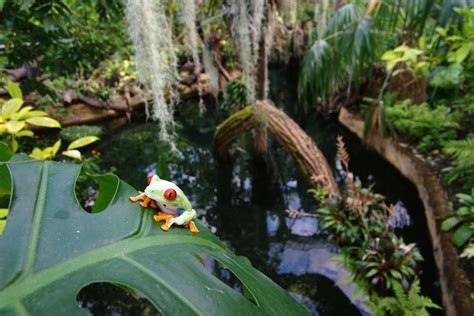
(455, 286)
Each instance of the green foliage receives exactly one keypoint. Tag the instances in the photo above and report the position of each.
(235, 96)
(378, 260)
(448, 76)
(52, 248)
(462, 222)
(359, 224)
(429, 127)
(352, 42)
(49, 153)
(463, 153)
(409, 57)
(15, 118)
(72, 133)
(66, 35)
(409, 303)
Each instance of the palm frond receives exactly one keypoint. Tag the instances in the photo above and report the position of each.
(353, 41)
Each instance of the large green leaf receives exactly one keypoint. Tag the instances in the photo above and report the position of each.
(51, 248)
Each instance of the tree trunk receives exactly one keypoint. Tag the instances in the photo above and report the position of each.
(296, 142)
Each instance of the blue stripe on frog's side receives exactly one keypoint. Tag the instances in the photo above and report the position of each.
(181, 211)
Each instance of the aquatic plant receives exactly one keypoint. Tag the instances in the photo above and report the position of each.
(150, 33)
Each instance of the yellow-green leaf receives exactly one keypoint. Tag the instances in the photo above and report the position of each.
(422, 42)
(76, 154)
(3, 212)
(55, 148)
(3, 128)
(390, 55)
(14, 90)
(44, 122)
(14, 127)
(14, 145)
(3, 223)
(33, 114)
(462, 53)
(401, 49)
(392, 63)
(25, 133)
(83, 141)
(11, 106)
(37, 154)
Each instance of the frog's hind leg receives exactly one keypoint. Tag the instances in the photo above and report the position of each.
(139, 197)
(192, 227)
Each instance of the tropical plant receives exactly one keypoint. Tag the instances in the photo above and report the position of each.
(65, 35)
(353, 41)
(406, 303)
(431, 128)
(462, 222)
(72, 151)
(51, 247)
(72, 133)
(463, 153)
(15, 118)
(235, 96)
(360, 223)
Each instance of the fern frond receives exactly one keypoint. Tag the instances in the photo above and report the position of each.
(461, 149)
(342, 153)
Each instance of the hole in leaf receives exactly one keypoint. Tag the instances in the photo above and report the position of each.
(5, 195)
(104, 298)
(228, 277)
(95, 193)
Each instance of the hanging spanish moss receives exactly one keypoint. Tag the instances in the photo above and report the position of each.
(248, 30)
(321, 16)
(149, 31)
(188, 16)
(257, 18)
(241, 27)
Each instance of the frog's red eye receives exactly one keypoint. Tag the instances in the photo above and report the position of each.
(170, 194)
(149, 179)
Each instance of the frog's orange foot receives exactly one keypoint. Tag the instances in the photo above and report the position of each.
(192, 227)
(146, 202)
(137, 198)
(165, 226)
(162, 217)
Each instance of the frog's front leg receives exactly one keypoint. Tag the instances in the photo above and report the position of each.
(139, 197)
(147, 202)
(164, 217)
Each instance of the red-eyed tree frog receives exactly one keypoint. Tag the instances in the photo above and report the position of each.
(174, 207)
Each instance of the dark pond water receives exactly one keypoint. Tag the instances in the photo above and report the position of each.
(244, 202)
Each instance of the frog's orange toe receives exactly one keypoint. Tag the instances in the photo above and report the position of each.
(135, 198)
(192, 228)
(165, 227)
(146, 202)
